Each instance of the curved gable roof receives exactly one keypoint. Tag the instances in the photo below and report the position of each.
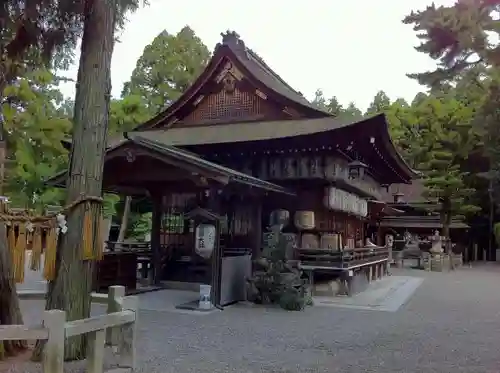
(268, 130)
(254, 67)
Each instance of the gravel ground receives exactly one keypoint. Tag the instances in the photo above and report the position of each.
(449, 325)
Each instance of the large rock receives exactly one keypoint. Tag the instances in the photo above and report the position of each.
(326, 289)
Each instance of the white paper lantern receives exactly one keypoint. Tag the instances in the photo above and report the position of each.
(363, 208)
(328, 198)
(335, 204)
(205, 240)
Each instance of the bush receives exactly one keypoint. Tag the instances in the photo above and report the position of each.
(278, 280)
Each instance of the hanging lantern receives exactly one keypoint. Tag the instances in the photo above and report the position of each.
(357, 170)
(205, 240)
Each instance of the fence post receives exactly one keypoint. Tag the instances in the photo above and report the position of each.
(95, 353)
(53, 355)
(116, 295)
(128, 335)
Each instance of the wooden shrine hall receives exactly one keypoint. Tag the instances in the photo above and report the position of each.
(239, 148)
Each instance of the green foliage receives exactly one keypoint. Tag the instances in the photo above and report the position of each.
(141, 225)
(334, 107)
(278, 280)
(442, 128)
(35, 35)
(167, 67)
(464, 41)
(126, 114)
(109, 205)
(458, 37)
(44, 33)
(380, 104)
(34, 129)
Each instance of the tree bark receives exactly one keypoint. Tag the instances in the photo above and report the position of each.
(125, 217)
(70, 290)
(10, 312)
(447, 215)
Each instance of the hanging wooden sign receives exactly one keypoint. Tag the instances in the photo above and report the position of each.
(330, 168)
(340, 200)
(263, 173)
(316, 167)
(275, 168)
(342, 171)
(289, 168)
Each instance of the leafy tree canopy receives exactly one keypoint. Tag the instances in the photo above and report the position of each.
(167, 67)
(458, 37)
(35, 128)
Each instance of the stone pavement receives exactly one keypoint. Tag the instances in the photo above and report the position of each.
(449, 325)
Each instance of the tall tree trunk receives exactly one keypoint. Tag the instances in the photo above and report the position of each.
(125, 217)
(491, 216)
(10, 312)
(446, 221)
(70, 290)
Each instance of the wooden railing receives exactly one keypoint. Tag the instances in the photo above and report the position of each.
(116, 328)
(343, 258)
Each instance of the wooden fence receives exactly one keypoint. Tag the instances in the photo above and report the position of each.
(116, 328)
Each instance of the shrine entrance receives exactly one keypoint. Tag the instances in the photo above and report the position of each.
(206, 218)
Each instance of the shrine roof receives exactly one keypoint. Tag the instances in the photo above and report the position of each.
(182, 156)
(410, 193)
(246, 131)
(263, 72)
(375, 126)
(192, 158)
(428, 222)
(234, 48)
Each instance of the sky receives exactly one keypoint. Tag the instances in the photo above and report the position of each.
(348, 49)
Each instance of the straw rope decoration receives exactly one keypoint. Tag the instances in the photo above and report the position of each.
(99, 242)
(23, 228)
(49, 260)
(87, 233)
(36, 249)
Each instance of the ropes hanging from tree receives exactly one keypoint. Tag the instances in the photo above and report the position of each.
(40, 233)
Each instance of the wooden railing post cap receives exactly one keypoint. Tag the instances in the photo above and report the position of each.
(117, 290)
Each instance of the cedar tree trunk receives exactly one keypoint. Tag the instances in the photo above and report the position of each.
(10, 313)
(71, 288)
(446, 221)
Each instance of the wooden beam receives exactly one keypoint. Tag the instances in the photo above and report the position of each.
(157, 200)
(22, 332)
(93, 324)
(169, 160)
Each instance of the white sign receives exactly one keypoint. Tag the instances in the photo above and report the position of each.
(205, 240)
(340, 200)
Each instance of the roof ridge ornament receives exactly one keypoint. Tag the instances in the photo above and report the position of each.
(232, 39)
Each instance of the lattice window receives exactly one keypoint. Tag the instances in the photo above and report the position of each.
(227, 105)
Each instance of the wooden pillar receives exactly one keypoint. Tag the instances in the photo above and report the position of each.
(380, 235)
(213, 204)
(157, 214)
(257, 231)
